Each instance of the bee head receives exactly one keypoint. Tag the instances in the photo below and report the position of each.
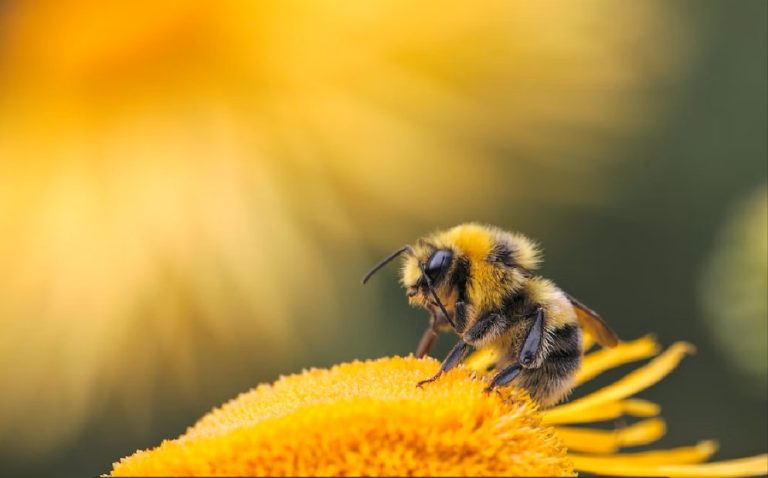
(425, 272)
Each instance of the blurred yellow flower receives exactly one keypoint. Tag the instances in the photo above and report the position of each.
(164, 164)
(733, 287)
(368, 418)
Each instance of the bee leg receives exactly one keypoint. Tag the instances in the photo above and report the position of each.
(455, 356)
(488, 325)
(504, 377)
(460, 316)
(428, 338)
(530, 348)
(426, 342)
(439, 322)
(552, 379)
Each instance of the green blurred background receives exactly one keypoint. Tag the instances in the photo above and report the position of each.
(191, 191)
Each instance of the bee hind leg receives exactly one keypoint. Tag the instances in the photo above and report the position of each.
(530, 348)
(553, 379)
(527, 356)
(504, 377)
(455, 356)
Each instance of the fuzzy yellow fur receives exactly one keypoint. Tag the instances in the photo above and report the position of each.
(488, 286)
(410, 271)
(475, 242)
(527, 252)
(557, 307)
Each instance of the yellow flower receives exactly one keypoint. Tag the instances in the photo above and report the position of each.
(732, 289)
(368, 418)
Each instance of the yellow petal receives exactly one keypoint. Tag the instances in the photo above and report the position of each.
(618, 465)
(634, 407)
(606, 441)
(675, 456)
(587, 341)
(607, 358)
(630, 384)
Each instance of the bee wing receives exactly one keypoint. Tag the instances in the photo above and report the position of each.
(593, 323)
(589, 320)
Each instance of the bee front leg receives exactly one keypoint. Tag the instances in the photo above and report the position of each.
(455, 356)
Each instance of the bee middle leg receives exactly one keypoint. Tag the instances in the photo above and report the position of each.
(437, 323)
(427, 340)
(455, 356)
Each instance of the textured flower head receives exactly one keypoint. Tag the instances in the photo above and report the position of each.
(364, 418)
(368, 418)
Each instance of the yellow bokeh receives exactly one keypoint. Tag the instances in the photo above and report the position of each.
(169, 170)
(733, 288)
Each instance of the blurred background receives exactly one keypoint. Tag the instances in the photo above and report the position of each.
(190, 192)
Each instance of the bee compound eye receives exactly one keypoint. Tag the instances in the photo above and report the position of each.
(439, 260)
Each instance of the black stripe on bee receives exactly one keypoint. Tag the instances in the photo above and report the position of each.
(548, 383)
(501, 254)
(566, 343)
(460, 316)
(518, 304)
(460, 278)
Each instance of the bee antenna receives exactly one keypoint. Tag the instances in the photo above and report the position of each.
(437, 299)
(386, 261)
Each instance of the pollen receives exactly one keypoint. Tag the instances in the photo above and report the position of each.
(364, 418)
(368, 418)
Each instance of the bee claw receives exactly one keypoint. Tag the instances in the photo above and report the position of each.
(504, 377)
(429, 380)
(455, 356)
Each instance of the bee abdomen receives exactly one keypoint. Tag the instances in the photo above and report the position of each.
(553, 379)
(565, 341)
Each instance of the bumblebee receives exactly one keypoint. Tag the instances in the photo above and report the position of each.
(479, 281)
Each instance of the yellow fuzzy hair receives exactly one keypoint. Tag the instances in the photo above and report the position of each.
(470, 240)
(558, 308)
(527, 252)
(475, 242)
